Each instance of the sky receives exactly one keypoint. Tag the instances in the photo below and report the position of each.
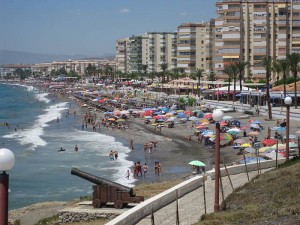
(91, 27)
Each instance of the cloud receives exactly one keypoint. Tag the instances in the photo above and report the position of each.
(182, 14)
(124, 10)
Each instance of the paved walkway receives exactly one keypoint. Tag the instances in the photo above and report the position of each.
(191, 206)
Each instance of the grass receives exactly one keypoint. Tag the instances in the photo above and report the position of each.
(271, 198)
(147, 190)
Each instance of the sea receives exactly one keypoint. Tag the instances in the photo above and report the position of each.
(41, 172)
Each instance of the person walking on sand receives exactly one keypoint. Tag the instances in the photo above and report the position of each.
(127, 174)
(145, 169)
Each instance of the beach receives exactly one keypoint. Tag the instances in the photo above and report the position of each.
(174, 150)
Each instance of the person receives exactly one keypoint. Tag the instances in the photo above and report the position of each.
(111, 155)
(76, 148)
(127, 174)
(145, 169)
(62, 149)
(244, 133)
(116, 155)
(131, 144)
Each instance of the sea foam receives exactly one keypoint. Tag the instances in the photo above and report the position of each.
(32, 136)
(42, 97)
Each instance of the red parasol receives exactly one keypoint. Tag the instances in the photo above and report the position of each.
(269, 142)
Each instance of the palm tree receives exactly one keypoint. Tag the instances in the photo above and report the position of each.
(228, 70)
(175, 73)
(267, 63)
(212, 77)
(284, 65)
(181, 71)
(294, 60)
(164, 68)
(241, 66)
(144, 69)
(199, 74)
(276, 69)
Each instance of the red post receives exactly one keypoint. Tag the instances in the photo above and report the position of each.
(287, 135)
(4, 198)
(217, 167)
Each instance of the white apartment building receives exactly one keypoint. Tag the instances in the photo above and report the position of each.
(161, 49)
(195, 46)
(121, 55)
(249, 30)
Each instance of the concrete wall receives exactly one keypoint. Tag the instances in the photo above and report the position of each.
(190, 198)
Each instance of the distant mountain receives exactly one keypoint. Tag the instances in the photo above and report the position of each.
(15, 57)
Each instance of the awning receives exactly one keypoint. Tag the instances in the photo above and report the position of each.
(231, 56)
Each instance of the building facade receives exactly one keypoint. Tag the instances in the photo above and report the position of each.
(121, 55)
(249, 30)
(195, 46)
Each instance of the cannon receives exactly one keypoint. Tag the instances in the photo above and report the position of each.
(108, 191)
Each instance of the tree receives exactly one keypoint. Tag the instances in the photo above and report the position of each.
(241, 66)
(90, 70)
(294, 60)
(152, 75)
(198, 75)
(175, 73)
(164, 68)
(212, 77)
(284, 65)
(267, 63)
(228, 70)
(144, 69)
(276, 69)
(108, 71)
(181, 71)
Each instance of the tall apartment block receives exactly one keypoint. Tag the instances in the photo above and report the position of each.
(161, 49)
(249, 30)
(121, 55)
(137, 53)
(195, 46)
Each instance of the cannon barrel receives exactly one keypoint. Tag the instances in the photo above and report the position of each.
(99, 180)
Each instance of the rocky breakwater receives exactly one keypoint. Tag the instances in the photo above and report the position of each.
(85, 212)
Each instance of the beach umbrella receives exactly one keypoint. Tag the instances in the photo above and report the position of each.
(192, 118)
(203, 120)
(239, 141)
(199, 127)
(244, 127)
(226, 137)
(160, 120)
(205, 123)
(256, 122)
(254, 125)
(245, 145)
(223, 123)
(200, 114)
(157, 117)
(171, 119)
(293, 145)
(227, 117)
(180, 111)
(291, 136)
(254, 133)
(266, 149)
(188, 112)
(116, 113)
(107, 113)
(111, 119)
(181, 115)
(269, 142)
(165, 109)
(207, 115)
(148, 117)
(233, 131)
(280, 146)
(283, 124)
(124, 112)
(197, 163)
(120, 120)
(250, 150)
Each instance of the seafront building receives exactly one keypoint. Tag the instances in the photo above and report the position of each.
(253, 29)
(195, 46)
(121, 55)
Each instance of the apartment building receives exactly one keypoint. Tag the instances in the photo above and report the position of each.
(195, 46)
(121, 55)
(250, 30)
(161, 49)
(78, 66)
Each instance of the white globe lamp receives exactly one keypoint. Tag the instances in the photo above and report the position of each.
(217, 115)
(288, 100)
(7, 159)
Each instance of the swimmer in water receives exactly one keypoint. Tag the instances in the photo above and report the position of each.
(62, 150)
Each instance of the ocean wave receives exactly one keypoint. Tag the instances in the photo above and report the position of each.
(32, 135)
(42, 97)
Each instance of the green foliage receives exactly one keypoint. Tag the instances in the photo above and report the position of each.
(289, 80)
(72, 73)
(22, 74)
(187, 100)
(249, 81)
(50, 220)
(90, 70)
(262, 81)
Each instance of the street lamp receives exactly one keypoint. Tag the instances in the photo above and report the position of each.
(217, 116)
(7, 162)
(281, 94)
(288, 101)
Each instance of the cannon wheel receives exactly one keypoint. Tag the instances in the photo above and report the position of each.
(119, 204)
(97, 203)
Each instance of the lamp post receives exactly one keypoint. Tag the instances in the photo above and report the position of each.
(281, 94)
(288, 102)
(217, 116)
(7, 162)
